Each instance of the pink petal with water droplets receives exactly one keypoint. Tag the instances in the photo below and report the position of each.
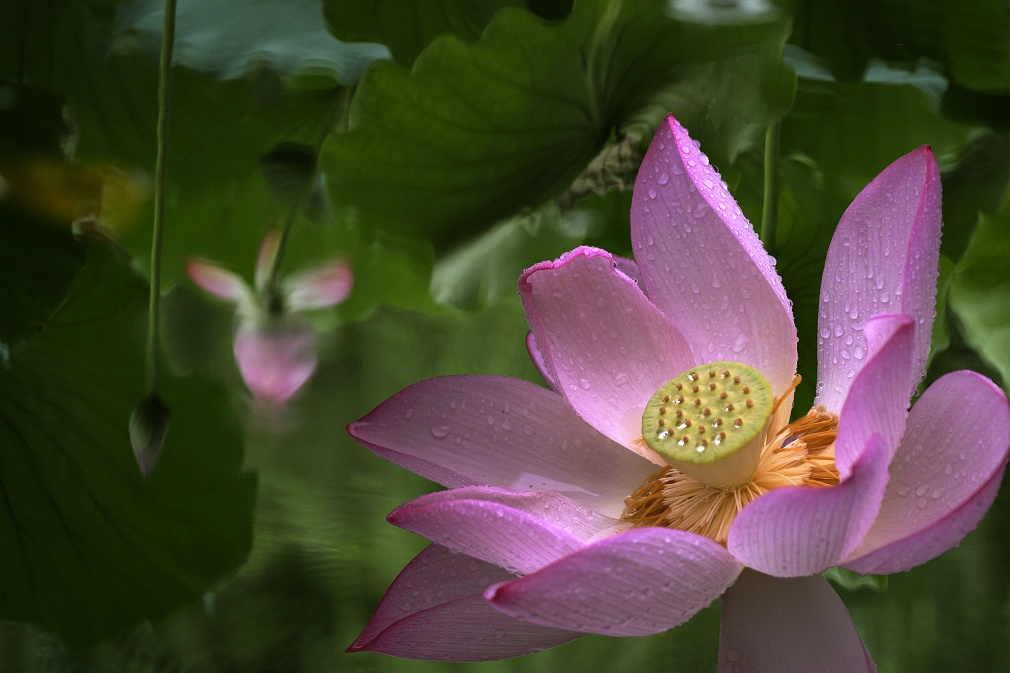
(797, 625)
(636, 583)
(606, 345)
(486, 529)
(796, 531)
(703, 264)
(494, 430)
(275, 357)
(629, 269)
(219, 282)
(538, 360)
(265, 260)
(944, 476)
(550, 507)
(878, 400)
(800, 530)
(320, 287)
(434, 610)
(884, 258)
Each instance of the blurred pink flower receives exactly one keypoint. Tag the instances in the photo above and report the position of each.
(563, 518)
(275, 347)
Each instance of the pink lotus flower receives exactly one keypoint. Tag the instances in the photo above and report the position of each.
(661, 471)
(275, 347)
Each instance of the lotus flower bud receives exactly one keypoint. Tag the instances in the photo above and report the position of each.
(148, 429)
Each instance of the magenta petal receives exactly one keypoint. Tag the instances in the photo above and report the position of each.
(487, 530)
(636, 583)
(276, 357)
(798, 625)
(883, 258)
(320, 287)
(944, 476)
(469, 430)
(799, 530)
(606, 345)
(548, 506)
(703, 264)
(219, 282)
(434, 610)
(538, 360)
(877, 403)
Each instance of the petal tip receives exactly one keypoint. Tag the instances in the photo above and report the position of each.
(494, 594)
(354, 427)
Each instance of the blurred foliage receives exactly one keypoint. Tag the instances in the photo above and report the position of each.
(532, 102)
(91, 546)
(458, 143)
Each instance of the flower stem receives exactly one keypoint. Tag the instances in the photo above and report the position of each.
(161, 162)
(340, 112)
(770, 213)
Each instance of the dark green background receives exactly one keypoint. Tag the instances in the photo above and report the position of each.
(460, 143)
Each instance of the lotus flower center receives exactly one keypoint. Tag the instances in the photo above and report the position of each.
(704, 497)
(708, 422)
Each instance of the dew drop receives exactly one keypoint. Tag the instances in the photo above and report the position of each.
(652, 193)
(439, 431)
(663, 179)
(584, 383)
(904, 489)
(408, 414)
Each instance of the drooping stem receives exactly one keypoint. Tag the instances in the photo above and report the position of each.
(161, 162)
(770, 213)
(340, 113)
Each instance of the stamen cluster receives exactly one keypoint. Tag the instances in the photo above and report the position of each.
(801, 453)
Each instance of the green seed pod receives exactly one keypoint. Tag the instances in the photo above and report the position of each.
(708, 421)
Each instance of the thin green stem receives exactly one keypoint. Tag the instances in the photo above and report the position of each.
(339, 113)
(164, 97)
(770, 213)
